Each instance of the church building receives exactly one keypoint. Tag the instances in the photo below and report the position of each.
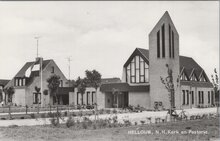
(142, 72)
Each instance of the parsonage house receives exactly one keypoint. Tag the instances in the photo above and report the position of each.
(29, 77)
(141, 80)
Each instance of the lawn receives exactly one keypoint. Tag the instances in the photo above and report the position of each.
(199, 130)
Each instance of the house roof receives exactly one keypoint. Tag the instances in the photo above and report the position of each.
(3, 82)
(124, 87)
(21, 73)
(187, 64)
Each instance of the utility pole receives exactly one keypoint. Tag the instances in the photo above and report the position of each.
(69, 60)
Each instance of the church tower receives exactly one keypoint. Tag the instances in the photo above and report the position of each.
(163, 49)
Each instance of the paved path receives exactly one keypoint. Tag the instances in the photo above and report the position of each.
(133, 117)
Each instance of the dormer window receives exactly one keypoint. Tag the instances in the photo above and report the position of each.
(202, 79)
(183, 77)
(52, 69)
(193, 77)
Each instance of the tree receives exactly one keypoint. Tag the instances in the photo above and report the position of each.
(169, 85)
(93, 79)
(9, 91)
(81, 86)
(215, 82)
(53, 84)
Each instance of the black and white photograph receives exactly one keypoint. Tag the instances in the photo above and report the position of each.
(109, 71)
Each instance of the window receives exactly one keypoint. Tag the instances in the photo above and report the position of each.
(169, 41)
(52, 69)
(87, 98)
(24, 82)
(183, 76)
(184, 102)
(163, 41)
(93, 97)
(61, 83)
(128, 73)
(16, 81)
(187, 97)
(202, 97)
(137, 71)
(37, 98)
(193, 77)
(173, 43)
(212, 97)
(192, 95)
(202, 79)
(77, 98)
(158, 44)
(209, 97)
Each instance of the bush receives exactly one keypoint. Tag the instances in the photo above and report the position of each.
(54, 121)
(43, 115)
(32, 115)
(65, 113)
(108, 111)
(142, 122)
(114, 111)
(135, 123)
(127, 123)
(101, 111)
(70, 122)
(51, 115)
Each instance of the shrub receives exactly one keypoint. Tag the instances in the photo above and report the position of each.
(108, 111)
(127, 123)
(74, 114)
(84, 125)
(51, 115)
(13, 126)
(80, 113)
(142, 122)
(135, 123)
(101, 111)
(32, 115)
(43, 115)
(70, 122)
(54, 121)
(114, 111)
(65, 113)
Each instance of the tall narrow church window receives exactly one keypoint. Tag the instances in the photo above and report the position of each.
(184, 100)
(192, 95)
(173, 43)
(163, 41)
(169, 41)
(158, 44)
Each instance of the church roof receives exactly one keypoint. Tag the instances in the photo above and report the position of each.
(187, 64)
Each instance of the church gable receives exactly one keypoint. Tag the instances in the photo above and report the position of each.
(137, 68)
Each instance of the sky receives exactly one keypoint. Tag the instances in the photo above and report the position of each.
(101, 35)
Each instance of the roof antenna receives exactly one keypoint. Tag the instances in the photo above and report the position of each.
(37, 38)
